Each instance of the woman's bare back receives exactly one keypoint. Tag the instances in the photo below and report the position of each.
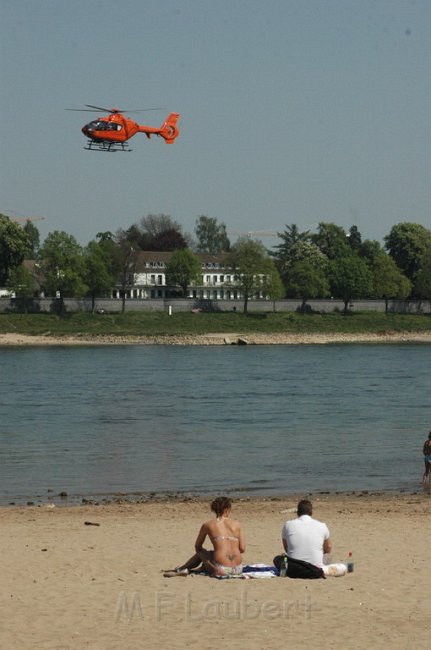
(227, 539)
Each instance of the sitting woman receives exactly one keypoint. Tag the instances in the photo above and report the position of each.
(227, 539)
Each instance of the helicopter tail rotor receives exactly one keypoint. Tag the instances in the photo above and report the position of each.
(169, 130)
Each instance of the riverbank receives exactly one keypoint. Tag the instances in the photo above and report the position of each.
(90, 576)
(229, 338)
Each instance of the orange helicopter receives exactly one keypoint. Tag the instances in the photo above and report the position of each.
(112, 133)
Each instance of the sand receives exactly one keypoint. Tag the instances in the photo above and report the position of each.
(228, 338)
(68, 585)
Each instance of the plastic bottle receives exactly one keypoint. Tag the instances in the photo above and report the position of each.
(350, 563)
(283, 567)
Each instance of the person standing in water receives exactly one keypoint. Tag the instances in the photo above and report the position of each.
(427, 459)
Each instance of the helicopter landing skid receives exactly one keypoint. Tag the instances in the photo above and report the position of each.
(107, 146)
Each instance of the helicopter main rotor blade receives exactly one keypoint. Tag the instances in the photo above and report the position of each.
(98, 108)
(92, 109)
(119, 110)
(143, 110)
(80, 110)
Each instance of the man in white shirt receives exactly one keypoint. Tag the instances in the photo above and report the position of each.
(306, 538)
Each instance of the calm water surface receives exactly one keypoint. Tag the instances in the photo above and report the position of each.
(251, 420)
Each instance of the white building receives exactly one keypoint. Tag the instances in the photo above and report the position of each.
(147, 278)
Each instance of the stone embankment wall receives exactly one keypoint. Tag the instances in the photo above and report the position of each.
(181, 305)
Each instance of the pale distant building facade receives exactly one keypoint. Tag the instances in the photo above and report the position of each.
(147, 279)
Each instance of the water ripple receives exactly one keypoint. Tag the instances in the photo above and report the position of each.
(269, 419)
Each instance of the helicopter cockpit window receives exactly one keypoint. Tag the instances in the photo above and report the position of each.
(96, 125)
(100, 125)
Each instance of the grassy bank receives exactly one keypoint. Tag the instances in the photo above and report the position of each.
(161, 324)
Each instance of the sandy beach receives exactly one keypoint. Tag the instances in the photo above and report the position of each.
(228, 338)
(67, 584)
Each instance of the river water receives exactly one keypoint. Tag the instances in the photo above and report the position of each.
(251, 420)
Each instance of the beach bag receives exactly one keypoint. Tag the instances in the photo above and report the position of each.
(299, 568)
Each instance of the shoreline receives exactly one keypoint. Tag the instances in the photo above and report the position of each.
(229, 338)
(177, 497)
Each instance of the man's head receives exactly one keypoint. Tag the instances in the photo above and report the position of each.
(305, 507)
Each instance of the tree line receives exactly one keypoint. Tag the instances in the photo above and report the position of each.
(330, 262)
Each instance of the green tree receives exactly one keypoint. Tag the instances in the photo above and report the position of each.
(14, 246)
(183, 269)
(63, 266)
(111, 252)
(127, 257)
(354, 239)
(23, 284)
(33, 236)
(332, 240)
(388, 281)
(407, 243)
(97, 276)
(369, 250)
(423, 278)
(296, 248)
(350, 278)
(305, 282)
(290, 237)
(271, 284)
(211, 235)
(254, 271)
(136, 238)
(306, 251)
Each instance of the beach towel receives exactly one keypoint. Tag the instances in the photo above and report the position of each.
(249, 571)
(259, 571)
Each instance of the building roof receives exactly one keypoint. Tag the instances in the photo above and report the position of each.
(159, 259)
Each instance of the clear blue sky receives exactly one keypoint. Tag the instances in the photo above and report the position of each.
(292, 111)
